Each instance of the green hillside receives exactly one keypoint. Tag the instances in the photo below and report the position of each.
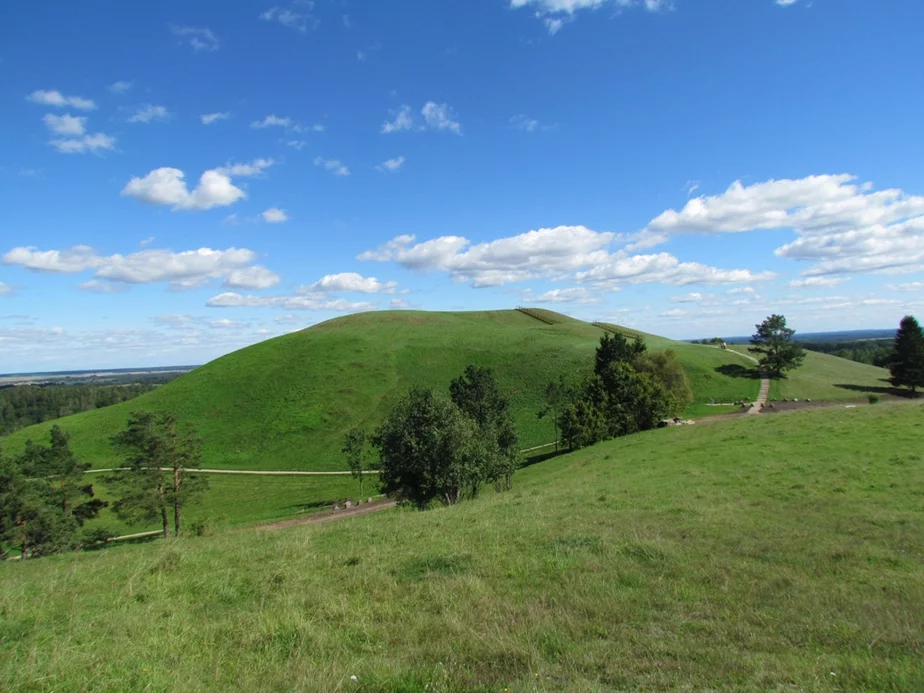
(286, 403)
(766, 553)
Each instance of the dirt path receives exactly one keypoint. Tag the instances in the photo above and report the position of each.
(764, 392)
(330, 516)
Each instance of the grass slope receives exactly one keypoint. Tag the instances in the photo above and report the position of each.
(760, 554)
(286, 403)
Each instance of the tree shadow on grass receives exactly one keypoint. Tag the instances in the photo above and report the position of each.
(878, 389)
(314, 505)
(736, 370)
(542, 457)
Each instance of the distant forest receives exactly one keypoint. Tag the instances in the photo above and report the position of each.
(24, 405)
(875, 352)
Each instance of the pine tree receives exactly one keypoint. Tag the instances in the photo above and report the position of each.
(907, 362)
(778, 352)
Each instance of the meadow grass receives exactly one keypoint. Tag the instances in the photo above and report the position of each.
(766, 553)
(287, 402)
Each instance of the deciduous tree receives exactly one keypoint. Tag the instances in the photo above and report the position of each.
(355, 447)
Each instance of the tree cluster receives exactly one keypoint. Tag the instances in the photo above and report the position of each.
(433, 448)
(630, 390)
(44, 498)
(25, 405)
(873, 352)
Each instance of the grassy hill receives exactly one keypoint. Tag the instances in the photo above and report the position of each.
(286, 403)
(768, 553)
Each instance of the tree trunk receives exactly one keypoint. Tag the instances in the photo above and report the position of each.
(176, 501)
(163, 513)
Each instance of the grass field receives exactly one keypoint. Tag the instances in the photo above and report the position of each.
(767, 553)
(286, 403)
(825, 377)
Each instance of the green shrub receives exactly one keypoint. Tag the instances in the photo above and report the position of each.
(874, 399)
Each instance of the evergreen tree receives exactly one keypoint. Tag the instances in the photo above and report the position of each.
(907, 362)
(154, 445)
(773, 342)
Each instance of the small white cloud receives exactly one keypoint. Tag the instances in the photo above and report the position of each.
(165, 186)
(210, 118)
(274, 215)
(439, 116)
(816, 282)
(120, 87)
(66, 124)
(349, 281)
(522, 122)
(101, 287)
(5, 289)
(82, 145)
(673, 314)
(271, 121)
(333, 165)
(56, 98)
(786, 3)
(687, 298)
(256, 277)
(554, 13)
(399, 304)
(225, 324)
(908, 286)
(288, 318)
(253, 168)
(297, 145)
(147, 241)
(199, 39)
(148, 113)
(231, 299)
(300, 21)
(575, 294)
(401, 120)
(392, 165)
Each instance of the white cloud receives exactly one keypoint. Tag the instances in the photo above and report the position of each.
(102, 287)
(786, 3)
(402, 120)
(65, 124)
(687, 298)
(349, 281)
(165, 186)
(120, 87)
(146, 241)
(439, 116)
(210, 118)
(879, 302)
(149, 112)
(56, 98)
(288, 318)
(333, 165)
(908, 286)
(436, 116)
(5, 289)
(253, 168)
(576, 294)
(553, 253)
(82, 145)
(272, 121)
(739, 290)
(183, 270)
(225, 324)
(842, 226)
(398, 304)
(816, 282)
(231, 299)
(673, 314)
(199, 39)
(176, 321)
(392, 165)
(527, 124)
(274, 215)
(554, 13)
(299, 21)
(297, 145)
(256, 277)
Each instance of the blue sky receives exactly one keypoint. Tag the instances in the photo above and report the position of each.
(180, 179)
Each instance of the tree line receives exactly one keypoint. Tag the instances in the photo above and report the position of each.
(26, 405)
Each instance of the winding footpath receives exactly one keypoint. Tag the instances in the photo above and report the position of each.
(764, 385)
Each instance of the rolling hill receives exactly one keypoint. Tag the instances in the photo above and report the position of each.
(765, 553)
(286, 403)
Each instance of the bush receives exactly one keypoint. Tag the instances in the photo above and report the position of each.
(97, 535)
(874, 399)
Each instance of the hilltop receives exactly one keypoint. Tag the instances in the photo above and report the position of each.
(285, 403)
(766, 553)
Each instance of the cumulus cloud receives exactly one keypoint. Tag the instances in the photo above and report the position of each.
(65, 124)
(554, 13)
(553, 253)
(102, 287)
(231, 299)
(391, 165)
(166, 186)
(842, 226)
(256, 277)
(120, 87)
(271, 121)
(349, 281)
(274, 215)
(56, 98)
(333, 165)
(83, 145)
(182, 270)
(436, 116)
(148, 113)
(198, 38)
